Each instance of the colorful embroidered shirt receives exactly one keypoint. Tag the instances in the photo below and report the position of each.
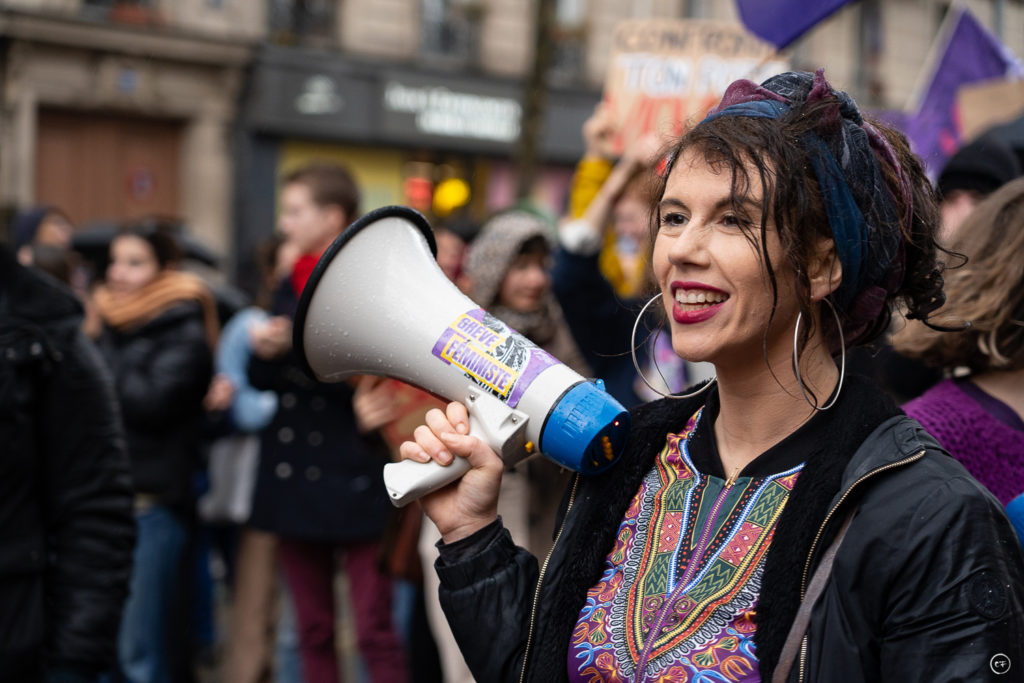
(678, 595)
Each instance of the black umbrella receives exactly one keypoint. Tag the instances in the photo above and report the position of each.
(93, 242)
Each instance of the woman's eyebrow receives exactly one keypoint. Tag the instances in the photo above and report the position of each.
(746, 203)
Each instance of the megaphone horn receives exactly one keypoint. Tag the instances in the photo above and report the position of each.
(377, 303)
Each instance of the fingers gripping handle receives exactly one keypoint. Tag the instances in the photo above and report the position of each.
(492, 421)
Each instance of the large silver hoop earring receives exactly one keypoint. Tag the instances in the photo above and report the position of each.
(654, 361)
(842, 362)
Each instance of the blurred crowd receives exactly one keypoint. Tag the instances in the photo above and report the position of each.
(182, 501)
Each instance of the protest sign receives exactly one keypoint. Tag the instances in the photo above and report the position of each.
(664, 75)
(989, 104)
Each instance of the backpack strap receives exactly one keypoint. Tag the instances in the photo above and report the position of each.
(798, 631)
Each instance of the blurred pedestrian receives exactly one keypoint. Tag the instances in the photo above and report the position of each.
(159, 331)
(319, 487)
(43, 225)
(66, 530)
(597, 284)
(251, 656)
(977, 413)
(507, 274)
(975, 171)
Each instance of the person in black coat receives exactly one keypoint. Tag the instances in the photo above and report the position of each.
(66, 529)
(320, 486)
(159, 329)
(785, 521)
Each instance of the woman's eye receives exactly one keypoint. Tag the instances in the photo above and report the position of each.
(672, 219)
(733, 221)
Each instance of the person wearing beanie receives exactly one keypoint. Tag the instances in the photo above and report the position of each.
(506, 273)
(977, 170)
(40, 225)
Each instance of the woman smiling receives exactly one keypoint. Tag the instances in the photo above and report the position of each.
(785, 521)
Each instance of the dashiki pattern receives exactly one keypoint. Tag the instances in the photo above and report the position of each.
(688, 621)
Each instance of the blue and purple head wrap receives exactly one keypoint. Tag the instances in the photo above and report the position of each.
(845, 153)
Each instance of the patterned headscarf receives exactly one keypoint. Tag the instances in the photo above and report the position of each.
(846, 154)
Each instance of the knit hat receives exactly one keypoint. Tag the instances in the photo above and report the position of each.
(26, 224)
(982, 166)
(494, 249)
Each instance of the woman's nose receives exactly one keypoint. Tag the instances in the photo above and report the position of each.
(690, 244)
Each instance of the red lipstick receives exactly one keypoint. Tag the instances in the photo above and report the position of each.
(698, 315)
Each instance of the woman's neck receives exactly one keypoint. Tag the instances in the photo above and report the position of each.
(758, 410)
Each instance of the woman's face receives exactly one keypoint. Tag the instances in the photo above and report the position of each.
(524, 285)
(54, 230)
(715, 289)
(133, 264)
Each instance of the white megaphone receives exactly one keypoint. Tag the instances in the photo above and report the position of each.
(377, 303)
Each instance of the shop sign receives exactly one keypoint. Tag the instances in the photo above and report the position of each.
(319, 96)
(442, 111)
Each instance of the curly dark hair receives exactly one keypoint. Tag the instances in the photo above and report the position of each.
(885, 179)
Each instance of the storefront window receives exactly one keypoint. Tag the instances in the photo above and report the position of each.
(121, 11)
(570, 40)
(302, 22)
(450, 30)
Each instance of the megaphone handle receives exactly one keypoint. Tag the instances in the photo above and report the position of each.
(490, 420)
(409, 480)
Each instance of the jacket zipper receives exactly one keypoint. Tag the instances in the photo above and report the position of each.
(817, 537)
(540, 577)
(690, 569)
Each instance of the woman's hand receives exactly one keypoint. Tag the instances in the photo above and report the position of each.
(220, 394)
(470, 503)
(598, 134)
(271, 338)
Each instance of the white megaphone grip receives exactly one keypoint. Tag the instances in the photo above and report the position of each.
(500, 427)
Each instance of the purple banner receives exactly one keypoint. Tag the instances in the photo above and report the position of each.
(780, 22)
(971, 55)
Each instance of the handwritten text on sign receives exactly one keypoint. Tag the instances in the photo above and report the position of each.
(666, 75)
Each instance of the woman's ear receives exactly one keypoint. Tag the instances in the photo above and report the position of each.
(825, 272)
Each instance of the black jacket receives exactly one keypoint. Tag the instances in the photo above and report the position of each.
(319, 479)
(162, 370)
(928, 546)
(66, 528)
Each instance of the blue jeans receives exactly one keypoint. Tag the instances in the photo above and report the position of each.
(156, 575)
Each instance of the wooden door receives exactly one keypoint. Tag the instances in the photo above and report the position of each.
(108, 167)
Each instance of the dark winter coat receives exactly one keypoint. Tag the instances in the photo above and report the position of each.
(925, 587)
(600, 321)
(66, 528)
(162, 370)
(319, 479)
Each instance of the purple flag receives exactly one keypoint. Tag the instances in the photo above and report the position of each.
(780, 22)
(971, 54)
